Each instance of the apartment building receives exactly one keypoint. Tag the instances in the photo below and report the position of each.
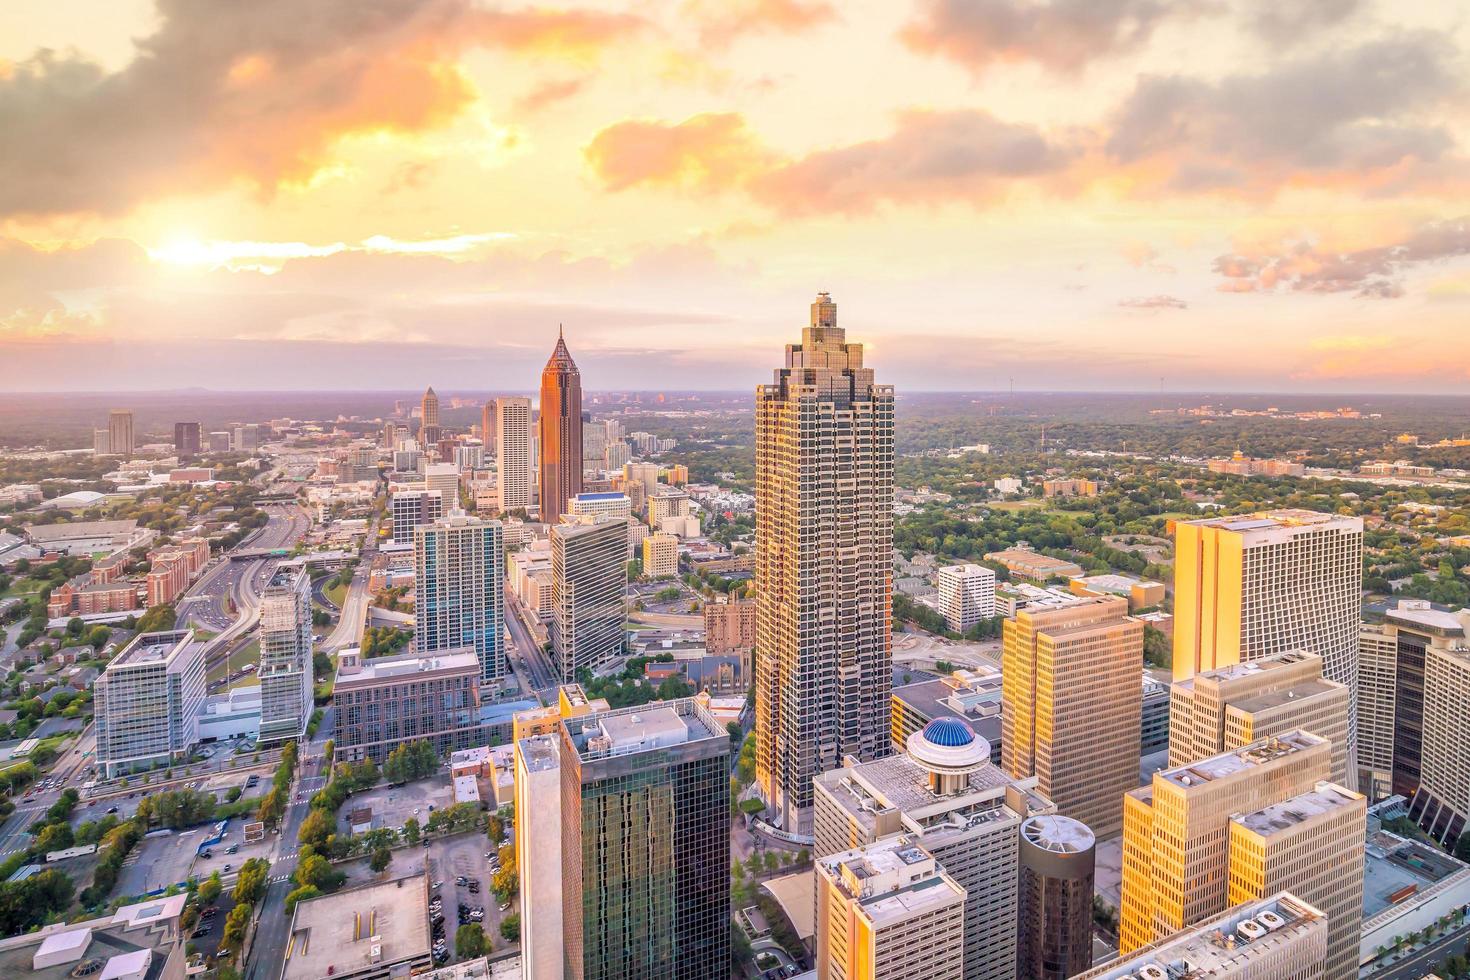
(459, 590)
(513, 442)
(285, 670)
(412, 509)
(966, 596)
(589, 577)
(386, 701)
(147, 702)
(729, 625)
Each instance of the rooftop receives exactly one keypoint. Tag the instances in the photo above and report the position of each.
(540, 753)
(1392, 864)
(1278, 817)
(1417, 612)
(1058, 834)
(1241, 759)
(601, 496)
(406, 665)
(1278, 519)
(382, 923)
(1297, 692)
(152, 648)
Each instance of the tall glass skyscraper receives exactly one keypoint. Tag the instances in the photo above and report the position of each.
(561, 432)
(459, 590)
(824, 561)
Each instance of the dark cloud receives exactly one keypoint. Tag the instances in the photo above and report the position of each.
(930, 157)
(1370, 272)
(1345, 112)
(1063, 35)
(1160, 302)
(256, 91)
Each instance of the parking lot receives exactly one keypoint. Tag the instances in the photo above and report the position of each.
(463, 856)
(158, 862)
(220, 855)
(392, 805)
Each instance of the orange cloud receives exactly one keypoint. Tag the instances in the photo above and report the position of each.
(709, 152)
(724, 21)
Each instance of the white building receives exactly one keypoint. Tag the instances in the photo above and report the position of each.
(147, 702)
(615, 505)
(414, 508)
(513, 442)
(538, 855)
(1008, 484)
(589, 576)
(443, 479)
(285, 671)
(966, 595)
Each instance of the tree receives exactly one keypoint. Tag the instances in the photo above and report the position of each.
(272, 807)
(300, 895)
(210, 888)
(316, 828)
(156, 619)
(470, 941)
(250, 885)
(737, 734)
(317, 871)
(237, 923)
(510, 927)
(380, 860)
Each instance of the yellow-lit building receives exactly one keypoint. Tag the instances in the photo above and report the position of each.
(661, 555)
(1072, 706)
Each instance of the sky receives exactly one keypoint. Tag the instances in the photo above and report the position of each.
(1055, 194)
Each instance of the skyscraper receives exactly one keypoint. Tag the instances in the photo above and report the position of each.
(642, 796)
(285, 655)
(1253, 585)
(414, 508)
(560, 431)
(186, 440)
(589, 575)
(1073, 706)
(429, 430)
(487, 427)
(513, 442)
(824, 557)
(120, 432)
(459, 590)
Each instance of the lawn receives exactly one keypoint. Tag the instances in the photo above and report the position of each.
(338, 594)
(1015, 505)
(248, 654)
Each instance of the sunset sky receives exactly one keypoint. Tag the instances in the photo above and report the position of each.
(1079, 194)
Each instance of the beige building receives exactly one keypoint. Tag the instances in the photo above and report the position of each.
(1033, 565)
(513, 448)
(887, 911)
(729, 625)
(120, 432)
(1222, 709)
(1279, 938)
(1072, 707)
(1176, 830)
(1312, 846)
(824, 566)
(660, 556)
(539, 852)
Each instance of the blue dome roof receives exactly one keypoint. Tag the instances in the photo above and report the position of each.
(949, 732)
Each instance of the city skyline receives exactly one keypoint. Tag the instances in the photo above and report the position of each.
(1071, 200)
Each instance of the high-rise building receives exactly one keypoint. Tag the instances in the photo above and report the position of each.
(247, 438)
(414, 508)
(589, 575)
(219, 442)
(285, 672)
(1278, 938)
(615, 455)
(186, 440)
(560, 432)
(1176, 859)
(824, 566)
(665, 501)
(1312, 846)
(429, 429)
(1218, 710)
(147, 702)
(488, 427)
(469, 457)
(443, 479)
(513, 442)
(645, 474)
(1253, 585)
(120, 433)
(660, 556)
(594, 446)
(1072, 711)
(101, 442)
(887, 911)
(610, 505)
(1058, 862)
(1413, 644)
(459, 590)
(643, 867)
(945, 796)
(966, 596)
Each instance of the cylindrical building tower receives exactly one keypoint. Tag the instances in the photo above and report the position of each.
(1057, 862)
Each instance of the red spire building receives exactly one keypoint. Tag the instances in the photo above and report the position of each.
(560, 432)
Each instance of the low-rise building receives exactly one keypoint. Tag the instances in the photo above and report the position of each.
(372, 932)
(1026, 563)
(385, 701)
(1140, 593)
(972, 696)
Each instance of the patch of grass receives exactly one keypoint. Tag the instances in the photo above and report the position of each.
(1017, 505)
(338, 594)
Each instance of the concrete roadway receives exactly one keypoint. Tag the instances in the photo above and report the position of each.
(539, 673)
(1423, 963)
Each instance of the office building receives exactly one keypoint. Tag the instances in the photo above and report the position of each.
(589, 575)
(1249, 586)
(1312, 846)
(643, 474)
(1218, 710)
(887, 911)
(384, 702)
(660, 556)
(560, 432)
(729, 625)
(966, 596)
(1073, 707)
(488, 428)
(824, 566)
(429, 428)
(601, 505)
(1176, 831)
(615, 456)
(594, 446)
(1411, 740)
(219, 442)
(513, 443)
(459, 590)
(1140, 594)
(972, 696)
(247, 438)
(1277, 938)
(120, 433)
(945, 796)
(186, 440)
(443, 479)
(468, 457)
(1154, 716)
(412, 509)
(285, 671)
(147, 702)
(101, 442)
(665, 501)
(375, 931)
(1058, 862)
(643, 866)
